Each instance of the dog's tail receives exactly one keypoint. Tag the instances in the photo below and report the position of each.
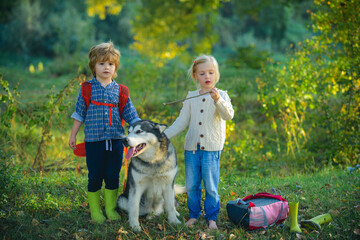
(178, 189)
(122, 203)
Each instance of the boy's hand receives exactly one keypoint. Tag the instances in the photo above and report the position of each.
(74, 131)
(72, 142)
(215, 94)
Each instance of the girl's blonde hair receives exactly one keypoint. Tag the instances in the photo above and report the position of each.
(203, 59)
(101, 53)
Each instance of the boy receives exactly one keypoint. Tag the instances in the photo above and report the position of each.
(103, 130)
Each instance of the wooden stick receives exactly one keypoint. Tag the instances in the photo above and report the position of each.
(181, 100)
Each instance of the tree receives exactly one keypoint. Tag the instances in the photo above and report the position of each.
(315, 94)
(165, 29)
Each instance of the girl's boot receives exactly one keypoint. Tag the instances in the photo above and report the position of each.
(94, 204)
(314, 223)
(110, 204)
(293, 209)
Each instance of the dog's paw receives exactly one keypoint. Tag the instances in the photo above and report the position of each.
(174, 221)
(177, 213)
(158, 213)
(135, 227)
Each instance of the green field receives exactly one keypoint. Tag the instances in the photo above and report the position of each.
(53, 205)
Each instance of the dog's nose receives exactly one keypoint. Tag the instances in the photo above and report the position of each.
(125, 141)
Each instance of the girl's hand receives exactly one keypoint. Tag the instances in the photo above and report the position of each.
(215, 94)
(72, 142)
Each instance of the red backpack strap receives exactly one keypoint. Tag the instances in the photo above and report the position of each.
(123, 98)
(86, 93)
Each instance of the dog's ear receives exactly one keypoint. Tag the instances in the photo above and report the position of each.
(161, 127)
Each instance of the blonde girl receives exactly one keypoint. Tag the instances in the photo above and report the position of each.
(205, 118)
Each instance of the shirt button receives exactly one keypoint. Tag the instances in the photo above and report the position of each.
(202, 148)
(200, 123)
(203, 99)
(201, 135)
(202, 110)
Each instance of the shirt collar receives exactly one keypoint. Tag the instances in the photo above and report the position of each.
(95, 81)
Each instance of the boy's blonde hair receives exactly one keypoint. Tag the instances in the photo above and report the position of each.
(203, 59)
(101, 53)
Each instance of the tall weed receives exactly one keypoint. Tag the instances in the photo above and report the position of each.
(35, 121)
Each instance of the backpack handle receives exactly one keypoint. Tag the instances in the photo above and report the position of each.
(240, 201)
(276, 191)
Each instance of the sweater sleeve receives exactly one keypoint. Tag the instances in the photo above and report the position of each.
(224, 106)
(181, 122)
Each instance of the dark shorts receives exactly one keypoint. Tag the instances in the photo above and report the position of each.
(103, 165)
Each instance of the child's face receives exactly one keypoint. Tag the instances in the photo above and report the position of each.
(205, 75)
(105, 70)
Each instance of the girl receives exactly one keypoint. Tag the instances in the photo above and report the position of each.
(103, 130)
(205, 116)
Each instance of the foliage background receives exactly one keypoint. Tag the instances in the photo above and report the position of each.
(156, 51)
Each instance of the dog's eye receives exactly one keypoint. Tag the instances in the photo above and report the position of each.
(138, 131)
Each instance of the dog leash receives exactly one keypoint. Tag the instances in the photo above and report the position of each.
(126, 168)
(183, 99)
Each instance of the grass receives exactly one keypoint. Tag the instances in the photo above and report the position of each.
(53, 205)
(34, 87)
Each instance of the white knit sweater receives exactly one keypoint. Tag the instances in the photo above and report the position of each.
(206, 120)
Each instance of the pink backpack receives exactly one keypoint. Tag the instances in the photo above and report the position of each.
(258, 211)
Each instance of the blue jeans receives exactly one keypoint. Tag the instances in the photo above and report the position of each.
(103, 165)
(202, 165)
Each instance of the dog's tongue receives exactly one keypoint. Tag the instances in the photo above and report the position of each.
(130, 152)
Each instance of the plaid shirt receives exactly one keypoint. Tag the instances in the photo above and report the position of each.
(96, 118)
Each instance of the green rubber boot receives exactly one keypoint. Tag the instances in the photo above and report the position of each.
(94, 204)
(293, 210)
(110, 204)
(314, 223)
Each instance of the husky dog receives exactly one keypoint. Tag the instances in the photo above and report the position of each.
(151, 174)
